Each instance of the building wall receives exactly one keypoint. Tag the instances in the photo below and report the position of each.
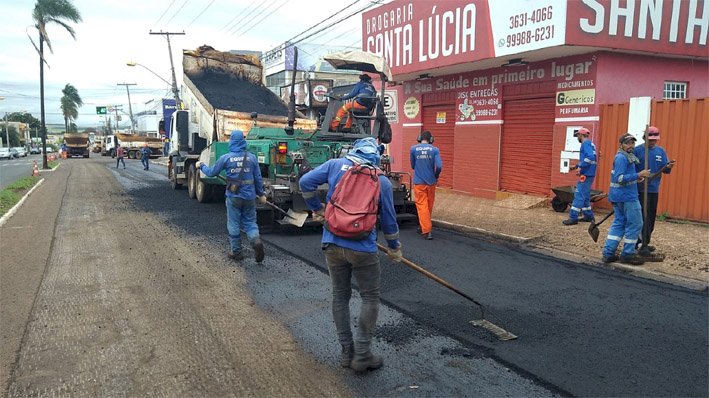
(622, 76)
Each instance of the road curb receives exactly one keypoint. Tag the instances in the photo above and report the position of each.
(17, 205)
(479, 231)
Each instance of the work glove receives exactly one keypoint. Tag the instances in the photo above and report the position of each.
(262, 199)
(395, 254)
(319, 216)
(582, 178)
(198, 165)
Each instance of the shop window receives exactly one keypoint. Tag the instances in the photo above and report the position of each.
(675, 90)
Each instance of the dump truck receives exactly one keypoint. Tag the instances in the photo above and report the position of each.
(77, 144)
(223, 92)
(132, 144)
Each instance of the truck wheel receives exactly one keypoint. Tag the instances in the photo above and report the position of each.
(173, 177)
(191, 181)
(203, 191)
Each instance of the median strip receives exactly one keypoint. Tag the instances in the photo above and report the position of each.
(12, 197)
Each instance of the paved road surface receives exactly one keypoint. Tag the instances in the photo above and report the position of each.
(14, 169)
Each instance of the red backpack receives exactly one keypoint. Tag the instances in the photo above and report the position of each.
(353, 208)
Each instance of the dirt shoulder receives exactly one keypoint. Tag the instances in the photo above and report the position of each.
(685, 244)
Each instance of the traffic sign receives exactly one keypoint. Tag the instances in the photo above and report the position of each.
(101, 110)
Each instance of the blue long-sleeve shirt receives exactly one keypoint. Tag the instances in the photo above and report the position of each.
(587, 159)
(427, 164)
(250, 181)
(656, 161)
(331, 172)
(624, 179)
(145, 152)
(363, 93)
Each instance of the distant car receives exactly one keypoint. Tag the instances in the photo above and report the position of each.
(21, 151)
(5, 153)
(14, 153)
(35, 150)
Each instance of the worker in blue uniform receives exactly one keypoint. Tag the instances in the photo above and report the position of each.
(364, 95)
(658, 164)
(587, 173)
(346, 257)
(623, 194)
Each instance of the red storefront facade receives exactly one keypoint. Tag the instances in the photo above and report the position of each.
(502, 85)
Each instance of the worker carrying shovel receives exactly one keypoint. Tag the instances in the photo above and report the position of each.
(587, 173)
(658, 164)
(623, 194)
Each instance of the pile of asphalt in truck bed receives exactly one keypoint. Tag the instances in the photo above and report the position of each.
(234, 94)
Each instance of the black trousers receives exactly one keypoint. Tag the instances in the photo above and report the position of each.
(649, 223)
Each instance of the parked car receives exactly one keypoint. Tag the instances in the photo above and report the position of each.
(14, 153)
(5, 153)
(35, 150)
(21, 151)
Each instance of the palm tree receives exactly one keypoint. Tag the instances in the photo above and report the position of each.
(45, 12)
(70, 104)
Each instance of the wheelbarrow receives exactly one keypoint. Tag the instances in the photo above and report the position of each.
(565, 196)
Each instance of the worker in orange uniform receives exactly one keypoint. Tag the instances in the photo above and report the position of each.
(364, 95)
(426, 162)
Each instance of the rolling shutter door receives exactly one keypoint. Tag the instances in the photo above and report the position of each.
(527, 146)
(442, 137)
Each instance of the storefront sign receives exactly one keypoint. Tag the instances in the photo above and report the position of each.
(412, 106)
(318, 89)
(391, 106)
(576, 97)
(519, 26)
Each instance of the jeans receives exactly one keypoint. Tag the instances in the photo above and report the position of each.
(582, 200)
(145, 162)
(626, 225)
(342, 263)
(120, 160)
(649, 223)
(240, 216)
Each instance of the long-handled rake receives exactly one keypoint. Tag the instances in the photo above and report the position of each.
(499, 332)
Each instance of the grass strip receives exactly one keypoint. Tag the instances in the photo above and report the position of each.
(14, 192)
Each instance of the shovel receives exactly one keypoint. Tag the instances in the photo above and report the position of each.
(296, 218)
(498, 331)
(593, 228)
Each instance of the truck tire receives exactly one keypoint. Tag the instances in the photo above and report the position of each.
(191, 186)
(203, 191)
(173, 177)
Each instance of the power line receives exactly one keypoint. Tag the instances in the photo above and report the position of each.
(318, 24)
(236, 27)
(200, 14)
(164, 12)
(228, 24)
(246, 29)
(176, 12)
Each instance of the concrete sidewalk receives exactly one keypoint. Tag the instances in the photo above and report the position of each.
(531, 222)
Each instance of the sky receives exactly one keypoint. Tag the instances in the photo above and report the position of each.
(114, 32)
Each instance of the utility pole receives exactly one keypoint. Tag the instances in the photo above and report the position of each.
(116, 108)
(130, 108)
(7, 134)
(175, 92)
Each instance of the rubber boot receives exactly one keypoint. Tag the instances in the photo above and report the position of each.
(235, 256)
(362, 362)
(570, 221)
(346, 355)
(259, 252)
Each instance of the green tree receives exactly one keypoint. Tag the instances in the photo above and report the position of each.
(45, 12)
(14, 136)
(25, 117)
(70, 104)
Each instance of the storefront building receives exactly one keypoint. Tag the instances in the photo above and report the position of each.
(502, 85)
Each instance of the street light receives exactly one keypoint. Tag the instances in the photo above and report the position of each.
(173, 84)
